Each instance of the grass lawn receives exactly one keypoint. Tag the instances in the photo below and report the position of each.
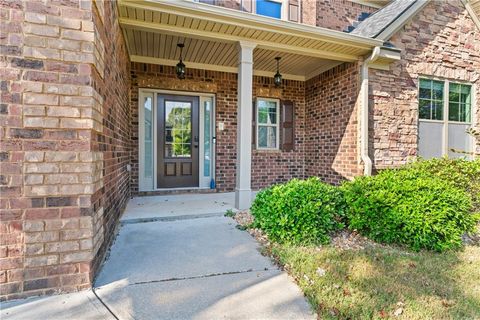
(386, 282)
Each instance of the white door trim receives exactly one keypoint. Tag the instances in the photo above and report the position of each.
(144, 184)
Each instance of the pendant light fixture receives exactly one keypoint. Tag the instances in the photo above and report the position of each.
(180, 67)
(277, 78)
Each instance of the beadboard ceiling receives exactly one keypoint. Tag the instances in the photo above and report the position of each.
(153, 29)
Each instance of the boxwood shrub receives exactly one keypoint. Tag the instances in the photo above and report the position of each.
(300, 211)
(410, 207)
(463, 174)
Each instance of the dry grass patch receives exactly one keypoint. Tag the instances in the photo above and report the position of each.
(380, 282)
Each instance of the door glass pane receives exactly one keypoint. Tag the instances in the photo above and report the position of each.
(148, 143)
(207, 144)
(178, 129)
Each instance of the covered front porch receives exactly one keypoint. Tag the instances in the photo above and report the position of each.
(230, 62)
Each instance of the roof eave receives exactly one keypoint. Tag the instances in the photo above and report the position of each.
(240, 18)
(401, 20)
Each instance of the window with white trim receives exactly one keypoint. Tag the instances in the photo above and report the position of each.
(269, 8)
(431, 99)
(445, 111)
(268, 118)
(459, 102)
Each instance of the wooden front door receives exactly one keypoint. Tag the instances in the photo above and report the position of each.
(177, 141)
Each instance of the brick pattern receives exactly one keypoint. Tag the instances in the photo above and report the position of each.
(339, 14)
(267, 166)
(50, 168)
(270, 167)
(331, 139)
(112, 82)
(309, 12)
(394, 96)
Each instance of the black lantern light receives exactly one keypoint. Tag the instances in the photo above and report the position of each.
(180, 67)
(277, 78)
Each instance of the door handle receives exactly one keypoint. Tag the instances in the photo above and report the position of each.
(195, 140)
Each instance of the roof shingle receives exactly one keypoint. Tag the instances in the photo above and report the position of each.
(380, 20)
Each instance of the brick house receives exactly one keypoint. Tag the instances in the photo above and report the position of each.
(94, 109)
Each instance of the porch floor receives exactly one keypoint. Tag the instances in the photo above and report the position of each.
(178, 257)
(148, 208)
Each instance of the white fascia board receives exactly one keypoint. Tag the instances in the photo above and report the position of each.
(386, 34)
(249, 20)
(472, 13)
(390, 53)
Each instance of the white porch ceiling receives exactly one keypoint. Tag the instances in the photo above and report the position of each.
(153, 28)
(162, 49)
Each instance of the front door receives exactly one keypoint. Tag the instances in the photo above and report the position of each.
(177, 141)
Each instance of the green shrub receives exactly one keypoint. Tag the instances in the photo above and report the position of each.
(409, 208)
(300, 211)
(461, 173)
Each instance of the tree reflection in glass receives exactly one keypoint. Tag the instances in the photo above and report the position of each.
(178, 129)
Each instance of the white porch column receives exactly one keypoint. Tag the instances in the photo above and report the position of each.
(243, 191)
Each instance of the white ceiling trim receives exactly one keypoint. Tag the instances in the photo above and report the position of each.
(322, 69)
(213, 36)
(244, 19)
(211, 67)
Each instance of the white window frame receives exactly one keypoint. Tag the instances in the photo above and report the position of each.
(277, 125)
(144, 183)
(283, 10)
(204, 182)
(445, 121)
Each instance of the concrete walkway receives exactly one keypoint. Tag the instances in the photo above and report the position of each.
(192, 264)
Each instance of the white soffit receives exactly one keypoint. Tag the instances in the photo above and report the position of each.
(153, 28)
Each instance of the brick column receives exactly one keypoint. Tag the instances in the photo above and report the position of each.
(50, 115)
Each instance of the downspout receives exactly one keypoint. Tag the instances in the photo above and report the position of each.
(367, 171)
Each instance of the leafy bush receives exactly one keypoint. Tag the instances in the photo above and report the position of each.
(300, 211)
(406, 206)
(461, 173)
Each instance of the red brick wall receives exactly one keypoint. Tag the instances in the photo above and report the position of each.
(267, 166)
(331, 124)
(270, 167)
(440, 41)
(114, 141)
(339, 14)
(52, 112)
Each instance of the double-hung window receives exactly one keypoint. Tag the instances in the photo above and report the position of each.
(268, 119)
(445, 111)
